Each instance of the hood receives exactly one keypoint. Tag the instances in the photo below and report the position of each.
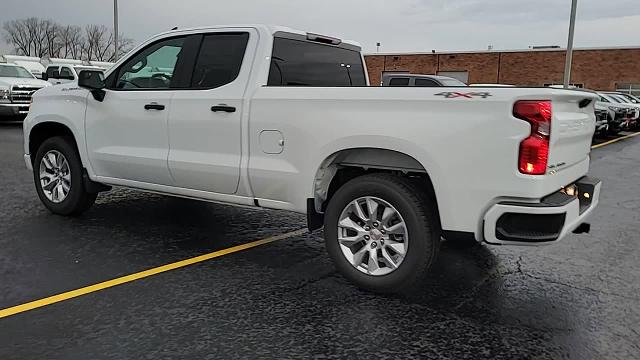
(9, 81)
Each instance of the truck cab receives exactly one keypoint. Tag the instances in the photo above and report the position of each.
(62, 74)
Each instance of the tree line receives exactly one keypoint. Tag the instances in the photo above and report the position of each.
(43, 37)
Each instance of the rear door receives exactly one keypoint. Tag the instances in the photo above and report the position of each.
(205, 123)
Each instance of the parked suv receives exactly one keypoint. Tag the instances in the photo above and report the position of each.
(17, 85)
(62, 74)
(625, 115)
(420, 80)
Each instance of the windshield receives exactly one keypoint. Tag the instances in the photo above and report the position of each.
(611, 98)
(451, 82)
(15, 72)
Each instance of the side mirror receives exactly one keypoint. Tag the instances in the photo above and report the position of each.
(93, 80)
(44, 76)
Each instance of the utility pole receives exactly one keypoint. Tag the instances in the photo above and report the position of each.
(569, 57)
(115, 29)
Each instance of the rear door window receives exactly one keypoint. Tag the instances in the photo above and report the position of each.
(219, 60)
(426, 83)
(305, 63)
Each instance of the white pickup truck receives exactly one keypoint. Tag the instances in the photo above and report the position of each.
(277, 118)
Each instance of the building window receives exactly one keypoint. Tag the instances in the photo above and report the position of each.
(633, 89)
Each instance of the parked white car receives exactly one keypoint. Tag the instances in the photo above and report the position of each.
(62, 74)
(283, 119)
(17, 85)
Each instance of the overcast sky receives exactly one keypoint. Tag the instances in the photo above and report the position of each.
(400, 25)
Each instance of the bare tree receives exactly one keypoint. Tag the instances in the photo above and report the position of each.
(16, 35)
(53, 43)
(36, 32)
(71, 40)
(36, 37)
(99, 44)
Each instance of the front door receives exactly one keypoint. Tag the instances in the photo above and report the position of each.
(126, 133)
(205, 122)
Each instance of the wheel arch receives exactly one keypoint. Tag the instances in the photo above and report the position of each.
(346, 164)
(45, 130)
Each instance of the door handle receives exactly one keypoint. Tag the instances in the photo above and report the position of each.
(224, 108)
(154, 106)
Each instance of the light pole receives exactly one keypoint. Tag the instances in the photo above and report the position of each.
(569, 57)
(115, 28)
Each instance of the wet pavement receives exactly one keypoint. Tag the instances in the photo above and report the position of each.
(579, 299)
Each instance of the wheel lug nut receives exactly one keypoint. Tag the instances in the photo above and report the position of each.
(366, 237)
(375, 224)
(367, 228)
(383, 231)
(374, 245)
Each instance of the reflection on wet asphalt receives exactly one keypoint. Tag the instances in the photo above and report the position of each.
(577, 299)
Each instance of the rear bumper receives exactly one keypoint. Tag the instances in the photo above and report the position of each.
(544, 222)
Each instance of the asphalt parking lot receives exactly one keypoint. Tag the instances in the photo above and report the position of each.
(579, 299)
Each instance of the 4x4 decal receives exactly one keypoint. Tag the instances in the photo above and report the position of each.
(468, 95)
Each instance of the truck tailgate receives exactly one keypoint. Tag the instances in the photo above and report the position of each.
(572, 129)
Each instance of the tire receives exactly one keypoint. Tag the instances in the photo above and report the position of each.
(77, 200)
(413, 206)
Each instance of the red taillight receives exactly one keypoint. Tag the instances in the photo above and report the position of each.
(534, 150)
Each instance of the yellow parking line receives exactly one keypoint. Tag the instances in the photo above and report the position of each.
(140, 275)
(615, 140)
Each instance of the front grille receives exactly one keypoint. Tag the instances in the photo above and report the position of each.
(21, 94)
(601, 114)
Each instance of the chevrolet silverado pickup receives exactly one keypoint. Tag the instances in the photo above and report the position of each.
(276, 118)
(17, 86)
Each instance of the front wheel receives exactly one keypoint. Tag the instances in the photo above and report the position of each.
(382, 232)
(57, 172)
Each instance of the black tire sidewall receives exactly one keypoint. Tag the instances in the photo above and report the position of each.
(77, 197)
(420, 252)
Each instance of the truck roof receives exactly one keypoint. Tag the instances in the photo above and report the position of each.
(418, 76)
(272, 29)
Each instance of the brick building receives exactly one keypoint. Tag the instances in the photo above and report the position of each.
(593, 68)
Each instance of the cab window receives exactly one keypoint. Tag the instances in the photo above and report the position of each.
(65, 73)
(151, 68)
(219, 60)
(399, 82)
(52, 72)
(426, 83)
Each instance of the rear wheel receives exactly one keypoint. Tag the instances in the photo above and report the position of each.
(57, 172)
(382, 232)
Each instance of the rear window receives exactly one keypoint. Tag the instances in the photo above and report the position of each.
(303, 63)
(452, 82)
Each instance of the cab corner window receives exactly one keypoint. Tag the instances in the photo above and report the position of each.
(152, 68)
(219, 60)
